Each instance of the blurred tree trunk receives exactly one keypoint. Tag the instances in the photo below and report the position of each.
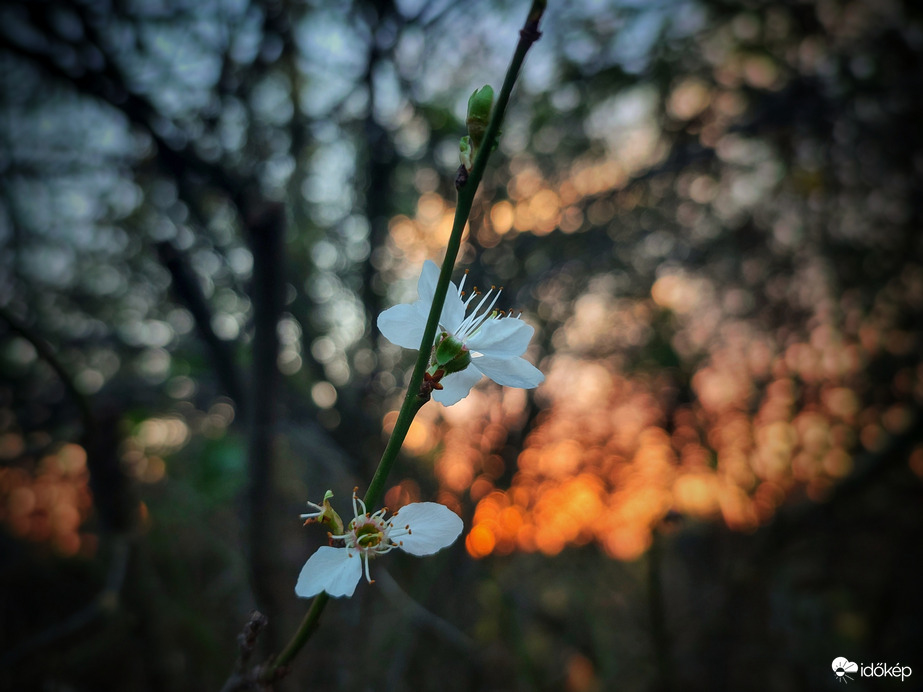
(267, 239)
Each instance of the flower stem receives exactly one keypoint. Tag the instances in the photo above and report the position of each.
(304, 632)
(413, 401)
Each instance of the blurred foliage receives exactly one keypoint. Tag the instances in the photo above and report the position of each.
(710, 211)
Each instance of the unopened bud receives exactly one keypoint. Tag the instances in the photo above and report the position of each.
(479, 106)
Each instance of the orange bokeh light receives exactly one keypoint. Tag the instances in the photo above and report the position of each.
(480, 541)
(50, 503)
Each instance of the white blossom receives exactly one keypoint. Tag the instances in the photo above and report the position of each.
(494, 341)
(420, 528)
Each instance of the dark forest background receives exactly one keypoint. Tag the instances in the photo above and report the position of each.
(710, 210)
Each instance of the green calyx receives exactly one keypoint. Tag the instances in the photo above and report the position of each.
(451, 355)
(329, 516)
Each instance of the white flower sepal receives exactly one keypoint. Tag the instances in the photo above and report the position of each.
(422, 529)
(494, 341)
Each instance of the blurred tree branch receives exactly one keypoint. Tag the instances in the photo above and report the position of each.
(189, 292)
(47, 353)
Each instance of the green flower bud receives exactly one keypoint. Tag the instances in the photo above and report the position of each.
(479, 106)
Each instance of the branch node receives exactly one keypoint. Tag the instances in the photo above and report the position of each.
(461, 177)
(530, 33)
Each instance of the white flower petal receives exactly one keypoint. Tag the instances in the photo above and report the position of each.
(510, 372)
(432, 527)
(456, 386)
(426, 286)
(402, 325)
(504, 337)
(453, 310)
(332, 570)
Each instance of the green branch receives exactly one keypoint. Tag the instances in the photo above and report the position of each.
(413, 399)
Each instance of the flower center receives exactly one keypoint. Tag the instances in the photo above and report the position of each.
(368, 535)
